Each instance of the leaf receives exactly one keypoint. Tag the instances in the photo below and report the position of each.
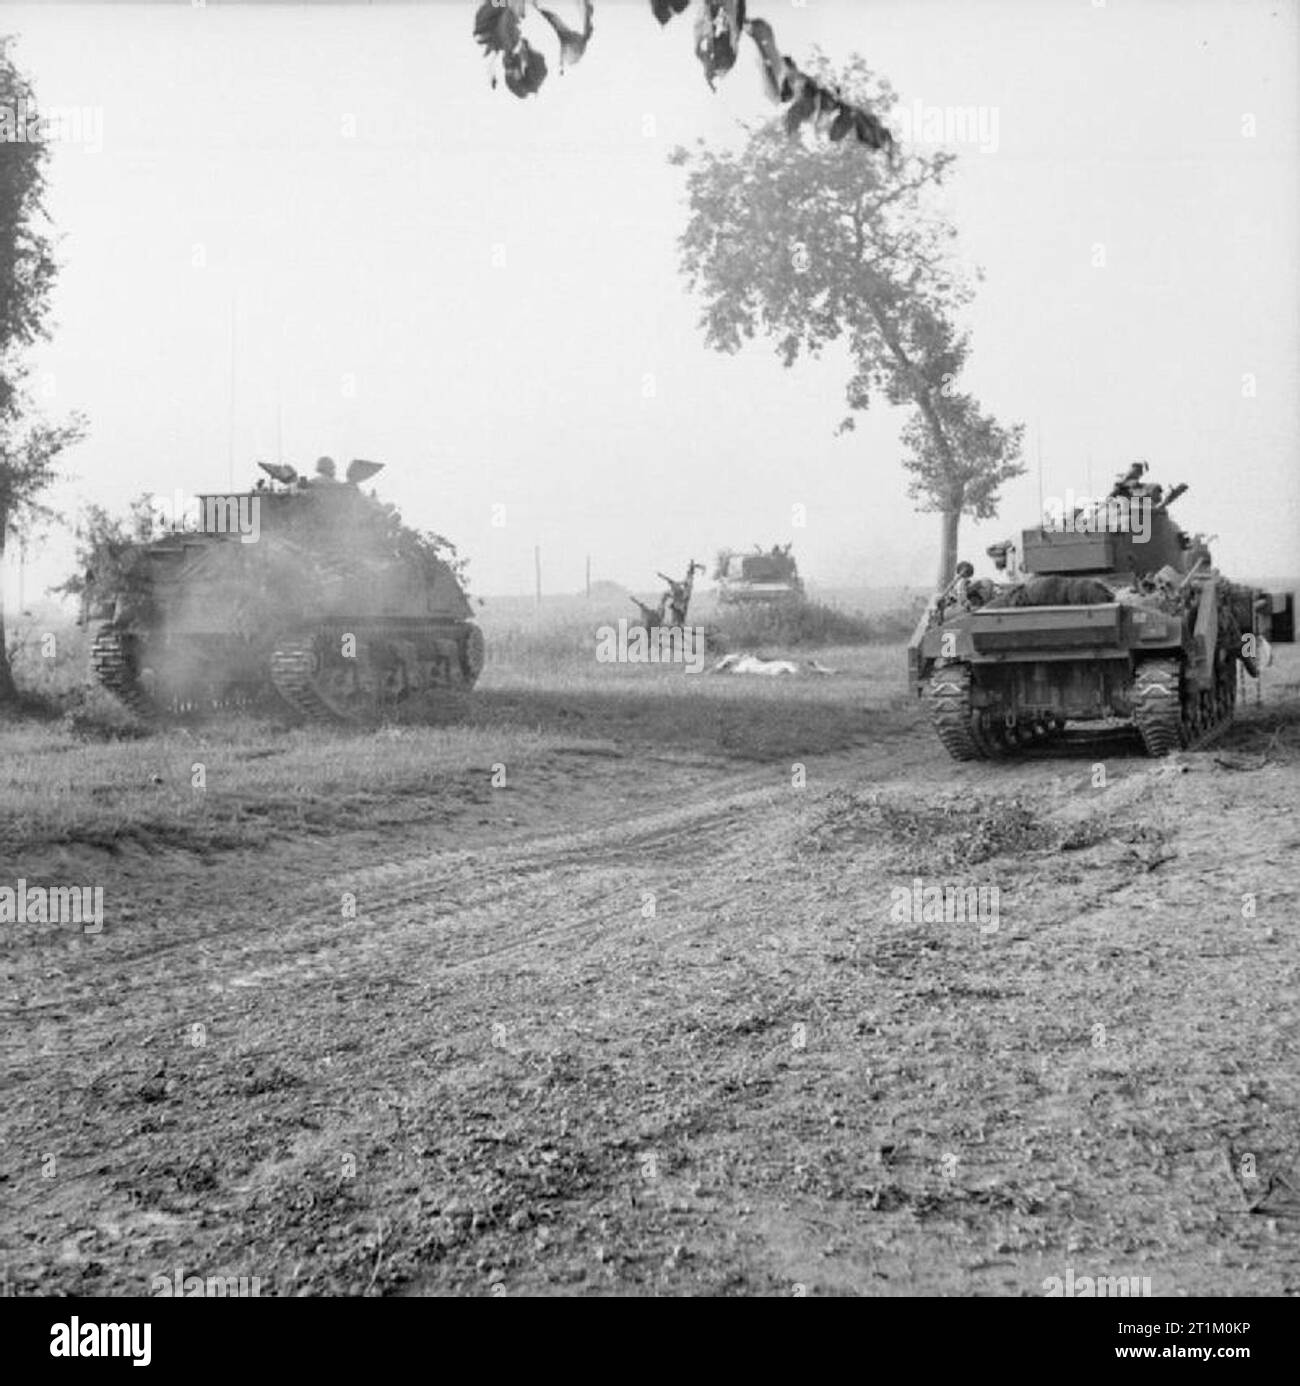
(804, 105)
(717, 35)
(827, 106)
(524, 69)
(843, 122)
(572, 43)
(870, 131)
(771, 63)
(665, 9)
(496, 27)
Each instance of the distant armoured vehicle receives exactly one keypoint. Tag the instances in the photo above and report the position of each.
(308, 593)
(769, 576)
(1114, 612)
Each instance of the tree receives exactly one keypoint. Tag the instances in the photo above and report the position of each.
(719, 27)
(29, 447)
(807, 247)
(110, 555)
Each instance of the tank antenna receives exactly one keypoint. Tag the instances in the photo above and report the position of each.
(1038, 428)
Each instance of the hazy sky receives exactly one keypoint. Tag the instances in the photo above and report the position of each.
(483, 293)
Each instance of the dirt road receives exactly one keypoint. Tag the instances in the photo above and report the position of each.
(655, 1023)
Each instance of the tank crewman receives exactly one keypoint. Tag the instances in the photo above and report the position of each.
(1128, 484)
(1000, 554)
(954, 595)
(677, 599)
(325, 470)
(652, 616)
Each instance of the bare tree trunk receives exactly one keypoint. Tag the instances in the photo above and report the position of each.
(948, 547)
(8, 690)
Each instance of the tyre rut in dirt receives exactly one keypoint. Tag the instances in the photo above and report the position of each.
(949, 701)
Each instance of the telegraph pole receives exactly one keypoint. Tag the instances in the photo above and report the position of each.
(230, 441)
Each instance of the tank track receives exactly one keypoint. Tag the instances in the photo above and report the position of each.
(1158, 706)
(949, 702)
(1170, 717)
(303, 681)
(293, 671)
(1167, 717)
(112, 667)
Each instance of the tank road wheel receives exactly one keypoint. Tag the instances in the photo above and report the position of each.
(949, 701)
(472, 653)
(986, 728)
(1158, 706)
(1220, 704)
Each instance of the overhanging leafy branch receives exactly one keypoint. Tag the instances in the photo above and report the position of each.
(719, 28)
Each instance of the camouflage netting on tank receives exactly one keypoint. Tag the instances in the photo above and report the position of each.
(369, 531)
(344, 541)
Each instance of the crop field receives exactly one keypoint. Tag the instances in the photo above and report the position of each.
(621, 979)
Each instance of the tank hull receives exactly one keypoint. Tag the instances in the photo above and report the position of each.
(1100, 628)
(334, 612)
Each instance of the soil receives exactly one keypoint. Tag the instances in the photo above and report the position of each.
(653, 1021)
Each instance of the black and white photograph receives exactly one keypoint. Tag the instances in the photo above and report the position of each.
(647, 650)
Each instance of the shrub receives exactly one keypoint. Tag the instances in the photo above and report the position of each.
(805, 623)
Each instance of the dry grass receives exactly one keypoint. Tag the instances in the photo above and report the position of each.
(86, 771)
(237, 784)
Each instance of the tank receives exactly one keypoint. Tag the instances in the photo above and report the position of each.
(1107, 613)
(303, 593)
(764, 576)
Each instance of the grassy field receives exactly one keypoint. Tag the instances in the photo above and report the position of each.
(239, 781)
(81, 771)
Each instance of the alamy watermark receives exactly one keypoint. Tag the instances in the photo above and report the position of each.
(1096, 1287)
(22, 123)
(213, 514)
(629, 644)
(920, 123)
(180, 1285)
(1073, 514)
(80, 905)
(77, 1339)
(947, 904)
